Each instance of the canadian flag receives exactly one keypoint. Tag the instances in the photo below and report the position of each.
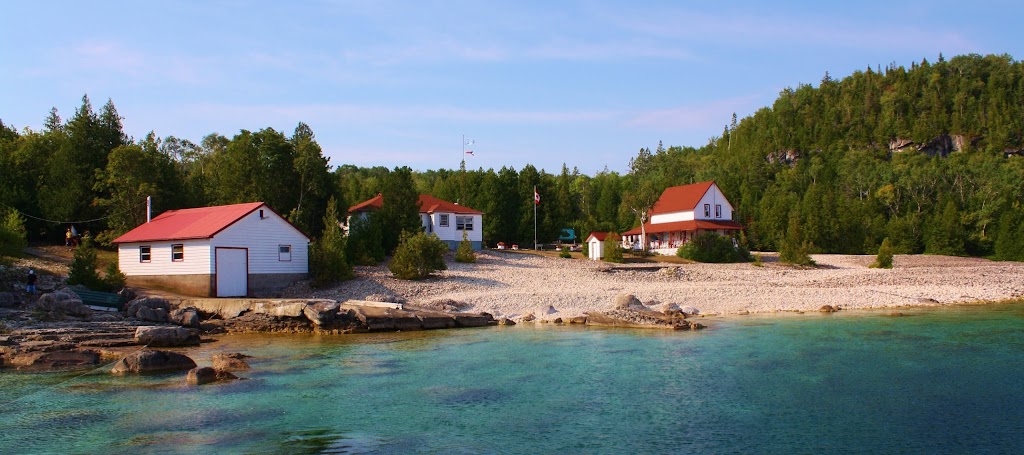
(536, 196)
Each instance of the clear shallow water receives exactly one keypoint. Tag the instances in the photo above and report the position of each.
(939, 381)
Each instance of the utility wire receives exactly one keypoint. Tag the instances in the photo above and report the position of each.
(69, 222)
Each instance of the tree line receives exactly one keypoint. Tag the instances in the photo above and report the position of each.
(930, 157)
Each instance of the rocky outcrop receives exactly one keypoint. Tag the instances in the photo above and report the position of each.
(185, 317)
(150, 361)
(56, 359)
(62, 303)
(150, 309)
(163, 336)
(941, 145)
(787, 157)
(233, 361)
(206, 375)
(321, 313)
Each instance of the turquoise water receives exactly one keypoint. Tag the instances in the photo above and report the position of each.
(937, 381)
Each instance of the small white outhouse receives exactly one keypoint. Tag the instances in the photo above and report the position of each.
(595, 245)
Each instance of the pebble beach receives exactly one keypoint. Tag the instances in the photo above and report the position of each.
(513, 285)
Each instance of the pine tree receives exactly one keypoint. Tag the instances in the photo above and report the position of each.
(328, 263)
(612, 249)
(885, 254)
(465, 251)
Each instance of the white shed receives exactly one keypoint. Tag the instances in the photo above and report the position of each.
(595, 245)
(224, 251)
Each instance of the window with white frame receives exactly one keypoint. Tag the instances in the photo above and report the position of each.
(177, 252)
(707, 210)
(284, 253)
(444, 220)
(145, 254)
(718, 210)
(463, 223)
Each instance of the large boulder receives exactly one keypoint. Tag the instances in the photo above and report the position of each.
(320, 313)
(151, 309)
(233, 361)
(185, 317)
(63, 303)
(161, 336)
(206, 375)
(628, 302)
(150, 361)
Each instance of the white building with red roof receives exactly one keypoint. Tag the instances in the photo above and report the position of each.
(595, 245)
(447, 220)
(224, 251)
(681, 213)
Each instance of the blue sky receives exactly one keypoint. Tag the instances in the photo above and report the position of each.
(586, 83)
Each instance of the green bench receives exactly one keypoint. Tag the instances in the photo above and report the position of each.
(105, 300)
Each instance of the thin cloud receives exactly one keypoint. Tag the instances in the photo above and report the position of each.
(703, 117)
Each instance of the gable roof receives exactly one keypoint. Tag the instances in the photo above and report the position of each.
(427, 203)
(681, 198)
(600, 236)
(196, 223)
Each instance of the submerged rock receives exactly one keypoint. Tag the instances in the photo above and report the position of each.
(151, 361)
(206, 375)
(233, 361)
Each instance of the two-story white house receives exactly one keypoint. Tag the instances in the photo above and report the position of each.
(447, 220)
(681, 213)
(225, 251)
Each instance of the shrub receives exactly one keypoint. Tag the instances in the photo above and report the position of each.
(12, 233)
(83, 267)
(417, 256)
(612, 249)
(114, 279)
(585, 249)
(327, 259)
(711, 247)
(565, 253)
(757, 261)
(465, 253)
(884, 259)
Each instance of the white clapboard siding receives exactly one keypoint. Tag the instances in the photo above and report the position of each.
(686, 215)
(450, 233)
(712, 197)
(262, 237)
(196, 261)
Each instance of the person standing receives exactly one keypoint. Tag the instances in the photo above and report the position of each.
(31, 282)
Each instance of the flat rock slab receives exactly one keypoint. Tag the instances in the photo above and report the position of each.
(56, 359)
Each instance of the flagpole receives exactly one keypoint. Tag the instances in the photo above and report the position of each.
(535, 218)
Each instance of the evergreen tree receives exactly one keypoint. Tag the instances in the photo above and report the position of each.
(794, 249)
(328, 263)
(885, 254)
(83, 267)
(946, 234)
(400, 211)
(465, 252)
(1009, 245)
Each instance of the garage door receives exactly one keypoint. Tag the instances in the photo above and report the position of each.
(232, 272)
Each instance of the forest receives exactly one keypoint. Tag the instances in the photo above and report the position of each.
(930, 157)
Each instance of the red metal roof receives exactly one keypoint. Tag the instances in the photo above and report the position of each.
(184, 224)
(600, 236)
(681, 198)
(691, 225)
(428, 204)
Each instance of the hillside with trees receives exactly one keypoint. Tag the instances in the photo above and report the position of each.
(930, 157)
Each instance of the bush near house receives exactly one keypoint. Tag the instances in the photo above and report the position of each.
(465, 251)
(612, 249)
(418, 256)
(711, 247)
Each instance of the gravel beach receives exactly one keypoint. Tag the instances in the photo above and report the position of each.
(509, 284)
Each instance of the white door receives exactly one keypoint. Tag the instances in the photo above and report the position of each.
(232, 272)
